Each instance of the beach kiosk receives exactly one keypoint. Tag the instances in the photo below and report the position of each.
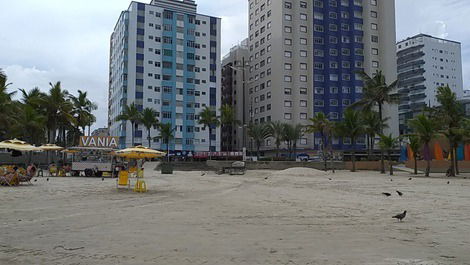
(138, 153)
(94, 156)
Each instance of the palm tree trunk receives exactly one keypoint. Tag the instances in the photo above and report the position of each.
(390, 162)
(452, 161)
(168, 149)
(257, 150)
(428, 160)
(353, 160)
(148, 137)
(89, 130)
(210, 142)
(277, 149)
(132, 133)
(369, 148)
(415, 156)
(457, 171)
(382, 164)
(325, 160)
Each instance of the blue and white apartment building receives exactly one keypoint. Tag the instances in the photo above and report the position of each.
(305, 55)
(166, 57)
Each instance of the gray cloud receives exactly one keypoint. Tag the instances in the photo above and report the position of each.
(50, 40)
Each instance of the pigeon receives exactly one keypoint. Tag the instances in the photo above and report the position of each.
(400, 217)
(35, 180)
(203, 174)
(47, 179)
(400, 193)
(410, 178)
(330, 179)
(386, 194)
(448, 182)
(102, 179)
(266, 178)
(391, 179)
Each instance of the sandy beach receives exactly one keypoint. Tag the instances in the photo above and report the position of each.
(297, 216)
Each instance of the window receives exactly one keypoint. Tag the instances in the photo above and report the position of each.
(287, 103)
(288, 116)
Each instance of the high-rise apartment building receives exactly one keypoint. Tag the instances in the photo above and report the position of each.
(235, 70)
(425, 63)
(166, 57)
(305, 55)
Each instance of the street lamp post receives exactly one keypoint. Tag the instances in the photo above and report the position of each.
(243, 69)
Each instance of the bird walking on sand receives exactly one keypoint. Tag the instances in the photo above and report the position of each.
(102, 179)
(410, 178)
(47, 179)
(387, 194)
(400, 217)
(203, 174)
(400, 193)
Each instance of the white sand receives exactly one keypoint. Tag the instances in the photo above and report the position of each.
(187, 218)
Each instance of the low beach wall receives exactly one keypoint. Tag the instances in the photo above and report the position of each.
(439, 166)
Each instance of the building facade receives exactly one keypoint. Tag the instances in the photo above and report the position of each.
(305, 55)
(425, 63)
(235, 71)
(166, 57)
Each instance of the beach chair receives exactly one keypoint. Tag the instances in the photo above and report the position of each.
(26, 179)
(123, 179)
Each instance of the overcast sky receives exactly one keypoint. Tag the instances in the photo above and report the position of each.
(44, 41)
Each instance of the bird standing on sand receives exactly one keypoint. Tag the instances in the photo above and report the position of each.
(400, 217)
(47, 179)
(102, 179)
(387, 194)
(410, 178)
(400, 193)
(203, 174)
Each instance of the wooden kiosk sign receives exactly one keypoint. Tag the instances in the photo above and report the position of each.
(99, 141)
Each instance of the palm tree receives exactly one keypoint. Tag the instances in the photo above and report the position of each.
(131, 114)
(292, 133)
(451, 114)
(33, 98)
(351, 126)
(149, 120)
(323, 126)
(228, 120)
(258, 132)
(276, 131)
(83, 108)
(208, 118)
(373, 126)
(30, 124)
(166, 134)
(58, 111)
(426, 130)
(376, 93)
(415, 146)
(6, 104)
(387, 143)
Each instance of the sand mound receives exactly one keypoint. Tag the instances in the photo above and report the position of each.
(301, 171)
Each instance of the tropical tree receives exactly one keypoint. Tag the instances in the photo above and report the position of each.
(352, 127)
(58, 109)
(415, 146)
(6, 105)
(29, 124)
(34, 98)
(208, 118)
(276, 131)
(320, 124)
(376, 93)
(373, 126)
(228, 119)
(258, 132)
(426, 130)
(82, 109)
(450, 113)
(292, 133)
(166, 135)
(131, 114)
(149, 120)
(387, 143)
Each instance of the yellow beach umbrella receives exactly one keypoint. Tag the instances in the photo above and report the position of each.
(70, 151)
(139, 152)
(18, 145)
(51, 147)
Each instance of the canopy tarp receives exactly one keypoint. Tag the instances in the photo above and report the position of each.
(18, 145)
(51, 147)
(139, 152)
